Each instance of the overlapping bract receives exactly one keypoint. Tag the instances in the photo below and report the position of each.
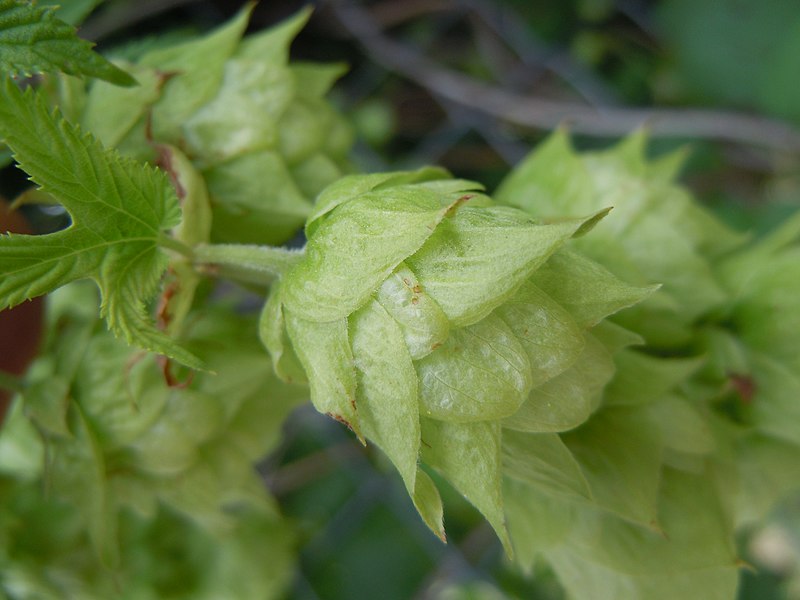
(240, 112)
(155, 483)
(423, 317)
(685, 448)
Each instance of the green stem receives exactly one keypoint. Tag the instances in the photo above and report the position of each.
(175, 245)
(250, 263)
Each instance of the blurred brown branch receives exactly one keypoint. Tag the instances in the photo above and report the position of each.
(540, 113)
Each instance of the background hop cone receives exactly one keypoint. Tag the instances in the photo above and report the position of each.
(423, 319)
(142, 475)
(239, 111)
(700, 422)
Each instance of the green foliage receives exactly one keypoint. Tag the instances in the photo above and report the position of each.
(34, 39)
(614, 392)
(119, 211)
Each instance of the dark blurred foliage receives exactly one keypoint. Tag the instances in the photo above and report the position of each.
(362, 538)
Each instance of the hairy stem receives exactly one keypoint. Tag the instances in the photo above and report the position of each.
(245, 262)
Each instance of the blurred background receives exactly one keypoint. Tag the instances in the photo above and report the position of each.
(474, 85)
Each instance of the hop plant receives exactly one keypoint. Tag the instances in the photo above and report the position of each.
(421, 315)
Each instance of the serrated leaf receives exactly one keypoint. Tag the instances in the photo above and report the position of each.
(34, 40)
(119, 210)
(386, 392)
(425, 327)
(480, 373)
(478, 258)
(569, 399)
(72, 11)
(585, 288)
(619, 452)
(548, 333)
(354, 250)
(468, 456)
(325, 353)
(543, 460)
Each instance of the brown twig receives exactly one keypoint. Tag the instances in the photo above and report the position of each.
(540, 113)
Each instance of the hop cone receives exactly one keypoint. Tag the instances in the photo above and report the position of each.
(422, 316)
(697, 432)
(239, 111)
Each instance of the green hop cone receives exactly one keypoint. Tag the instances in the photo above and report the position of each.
(423, 317)
(242, 114)
(696, 433)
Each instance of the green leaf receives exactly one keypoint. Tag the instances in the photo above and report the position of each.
(386, 393)
(246, 211)
(327, 358)
(112, 112)
(619, 452)
(243, 116)
(350, 187)
(357, 247)
(551, 181)
(34, 40)
(478, 258)
(77, 474)
(585, 288)
(480, 373)
(425, 327)
(537, 521)
(198, 67)
(548, 333)
(72, 11)
(775, 407)
(272, 331)
(544, 461)
(468, 456)
(428, 503)
(119, 211)
(683, 427)
(607, 558)
(569, 399)
(642, 379)
(122, 403)
(769, 471)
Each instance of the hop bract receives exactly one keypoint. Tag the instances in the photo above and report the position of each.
(421, 316)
